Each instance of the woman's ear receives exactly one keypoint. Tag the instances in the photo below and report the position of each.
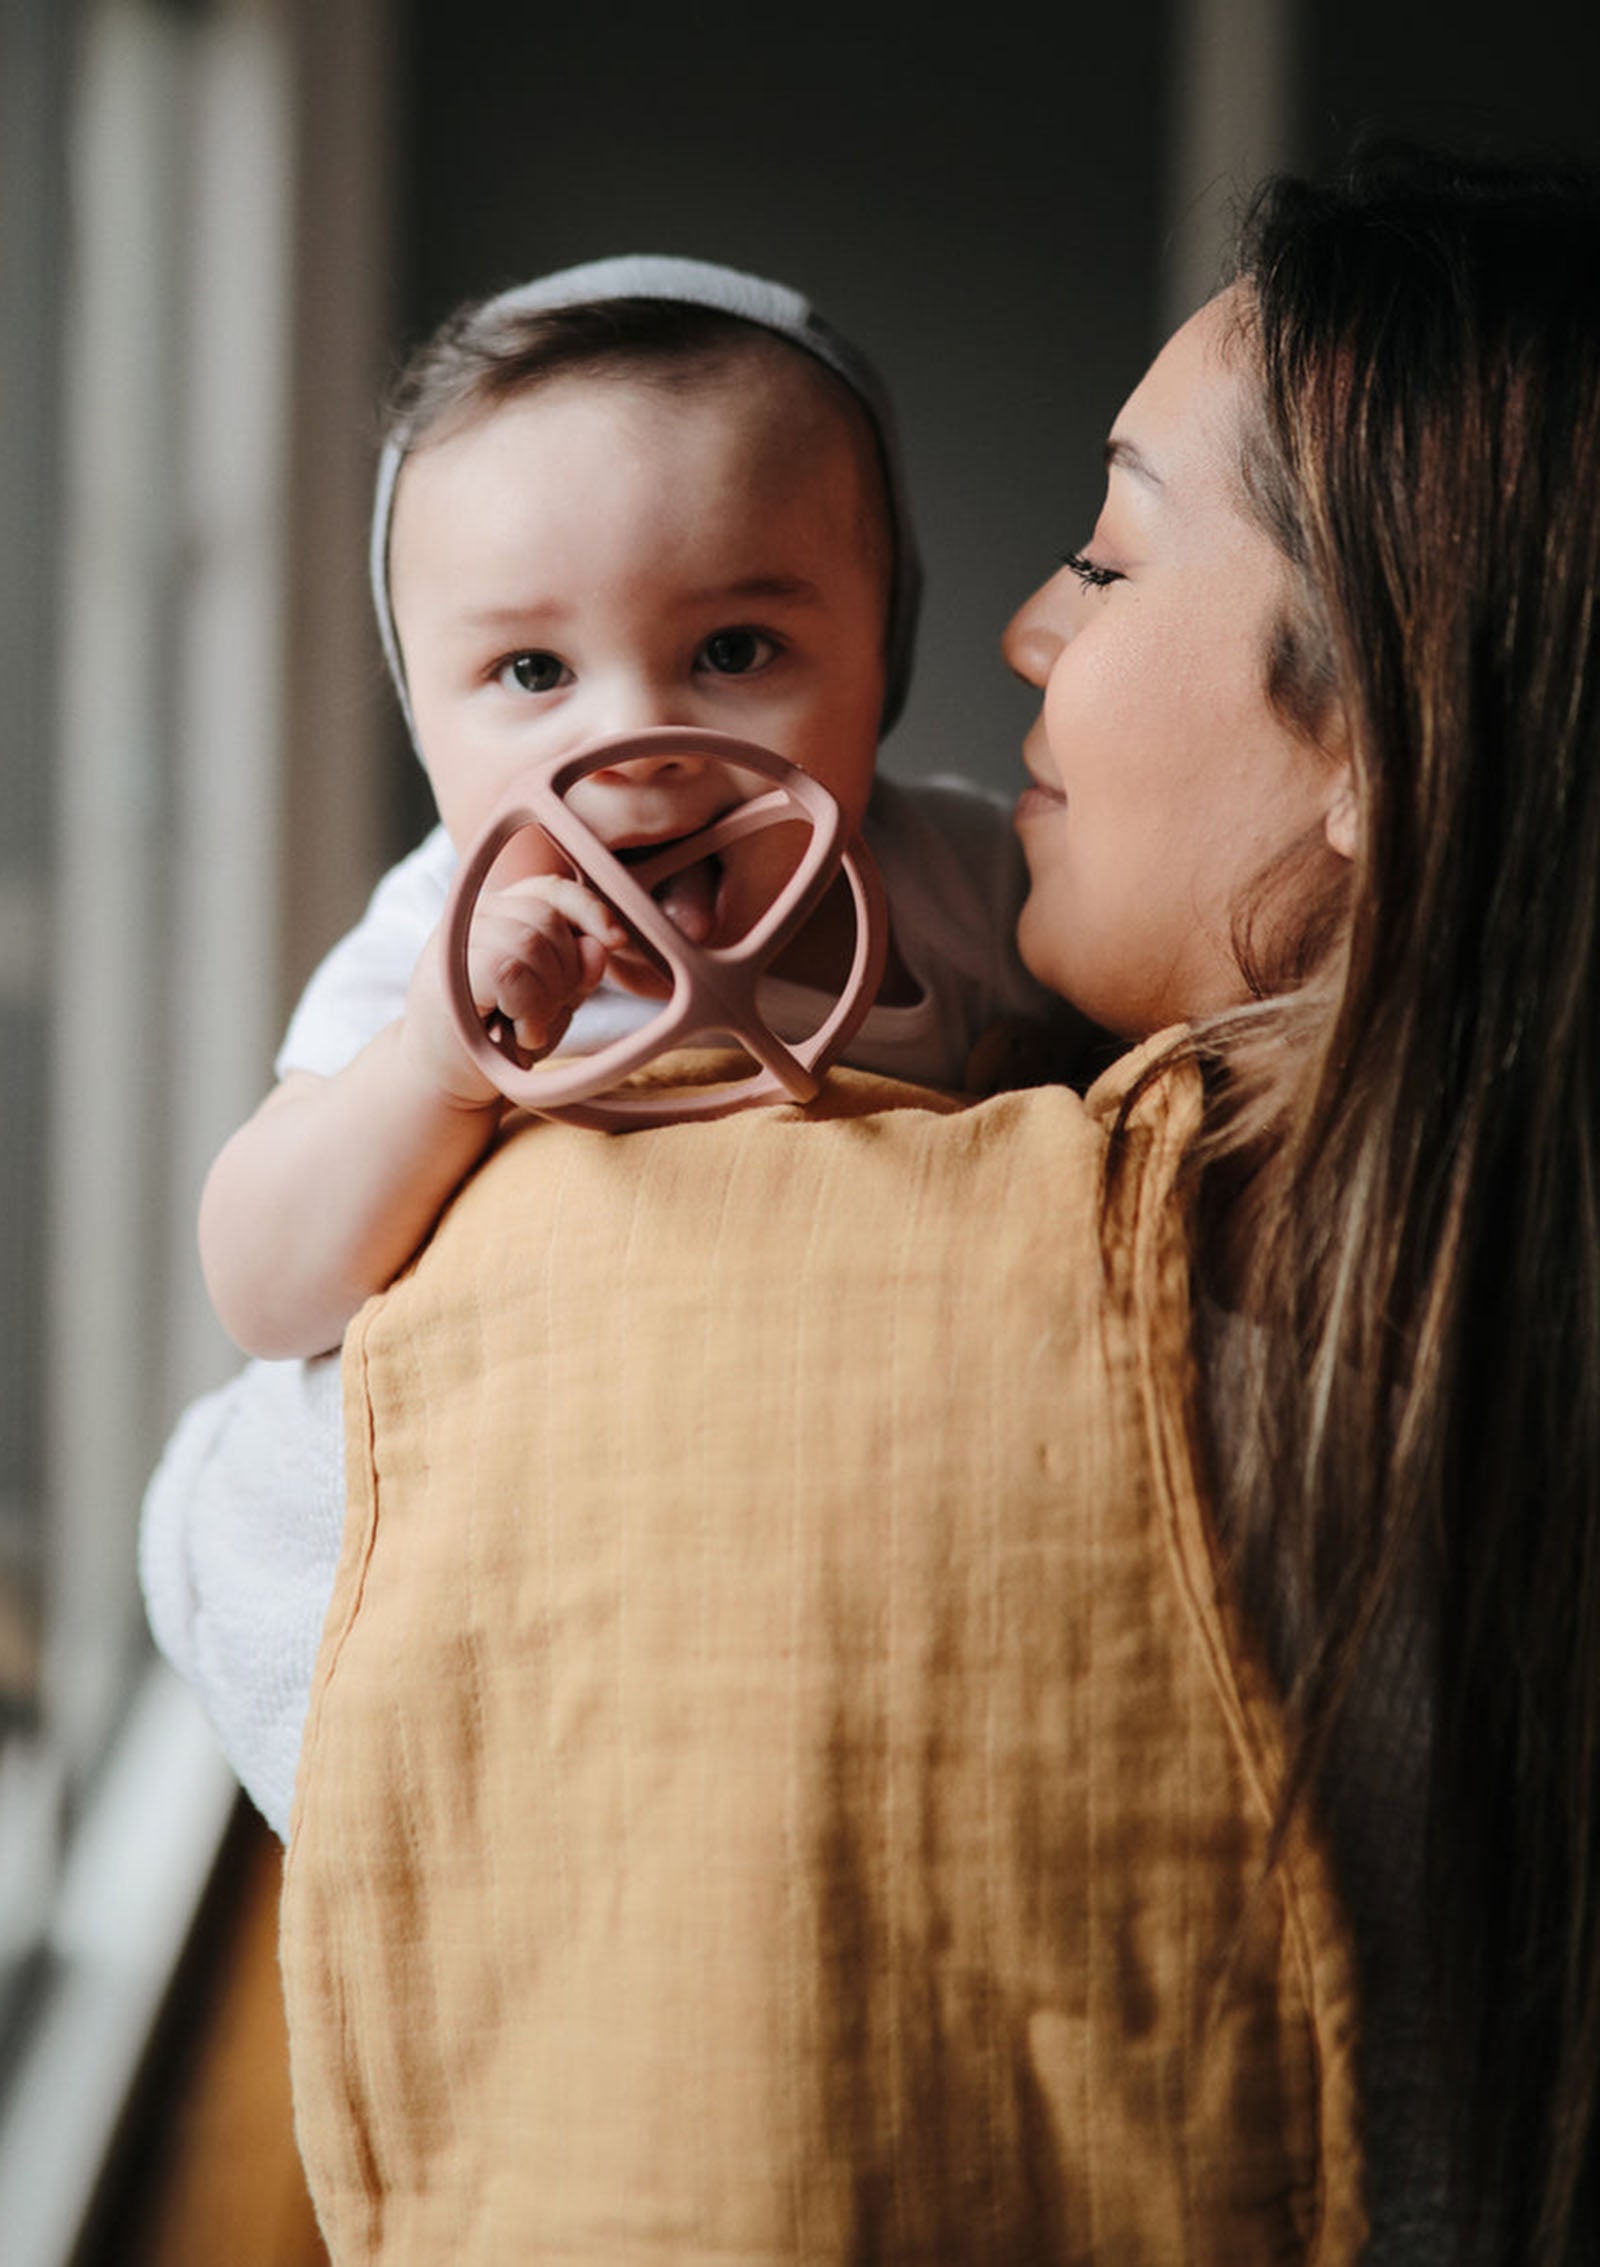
(1339, 821)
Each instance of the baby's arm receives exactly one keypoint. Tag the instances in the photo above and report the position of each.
(321, 1197)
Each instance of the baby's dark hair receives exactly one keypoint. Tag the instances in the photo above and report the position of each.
(488, 352)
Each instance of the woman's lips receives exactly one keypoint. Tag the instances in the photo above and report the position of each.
(1038, 802)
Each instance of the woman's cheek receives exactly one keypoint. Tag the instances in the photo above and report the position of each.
(1093, 703)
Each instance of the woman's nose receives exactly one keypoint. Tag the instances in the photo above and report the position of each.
(1030, 641)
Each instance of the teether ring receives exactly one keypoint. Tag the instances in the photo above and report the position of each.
(713, 986)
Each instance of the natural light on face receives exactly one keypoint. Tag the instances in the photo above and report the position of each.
(1164, 783)
(603, 557)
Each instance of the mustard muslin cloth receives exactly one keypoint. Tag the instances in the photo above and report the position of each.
(783, 1782)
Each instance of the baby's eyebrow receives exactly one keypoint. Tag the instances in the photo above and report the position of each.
(797, 588)
(552, 610)
(554, 613)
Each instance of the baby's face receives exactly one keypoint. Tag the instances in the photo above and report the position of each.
(603, 555)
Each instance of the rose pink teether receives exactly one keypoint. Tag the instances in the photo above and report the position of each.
(713, 986)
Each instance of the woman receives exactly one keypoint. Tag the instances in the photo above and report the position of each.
(1316, 812)
(1318, 773)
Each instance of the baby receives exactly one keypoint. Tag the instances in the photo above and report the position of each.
(641, 492)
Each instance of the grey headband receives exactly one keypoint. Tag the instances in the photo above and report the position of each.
(698, 283)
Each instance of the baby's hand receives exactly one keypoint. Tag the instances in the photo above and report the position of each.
(535, 952)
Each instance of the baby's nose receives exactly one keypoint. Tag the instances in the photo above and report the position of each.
(662, 767)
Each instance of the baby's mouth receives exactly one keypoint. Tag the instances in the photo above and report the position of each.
(689, 896)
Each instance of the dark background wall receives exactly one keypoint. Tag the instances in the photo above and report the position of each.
(1513, 77)
(982, 200)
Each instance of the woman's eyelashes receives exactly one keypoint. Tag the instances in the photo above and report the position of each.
(1089, 572)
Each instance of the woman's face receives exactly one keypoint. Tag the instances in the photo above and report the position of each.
(1164, 783)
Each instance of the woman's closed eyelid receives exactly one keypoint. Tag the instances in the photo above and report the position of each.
(1092, 573)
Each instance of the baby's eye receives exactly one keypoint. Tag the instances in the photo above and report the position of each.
(533, 672)
(1092, 576)
(734, 653)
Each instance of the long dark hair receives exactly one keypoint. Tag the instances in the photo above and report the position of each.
(1423, 1420)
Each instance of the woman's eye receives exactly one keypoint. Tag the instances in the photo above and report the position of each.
(533, 672)
(1092, 577)
(734, 653)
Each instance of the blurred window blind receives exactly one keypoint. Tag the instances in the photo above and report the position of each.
(145, 160)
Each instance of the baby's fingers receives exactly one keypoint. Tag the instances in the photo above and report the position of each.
(581, 907)
(530, 967)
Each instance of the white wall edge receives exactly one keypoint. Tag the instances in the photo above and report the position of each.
(1235, 118)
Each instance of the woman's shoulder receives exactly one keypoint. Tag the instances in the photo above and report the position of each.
(907, 1165)
(1155, 1081)
(1152, 1089)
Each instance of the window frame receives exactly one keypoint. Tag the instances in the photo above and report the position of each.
(204, 194)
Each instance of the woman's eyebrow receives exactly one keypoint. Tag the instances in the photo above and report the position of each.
(1131, 458)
